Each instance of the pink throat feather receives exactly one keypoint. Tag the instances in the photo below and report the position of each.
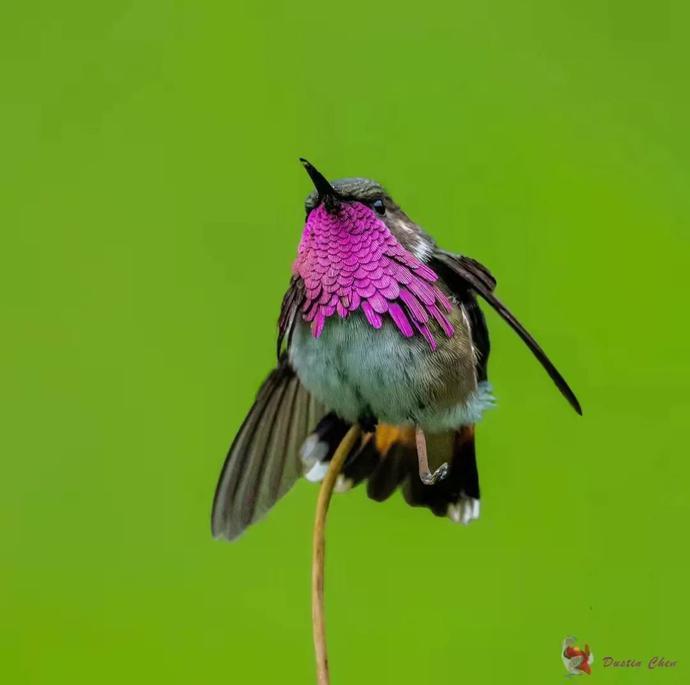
(350, 261)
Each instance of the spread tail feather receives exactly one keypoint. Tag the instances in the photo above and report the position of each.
(387, 460)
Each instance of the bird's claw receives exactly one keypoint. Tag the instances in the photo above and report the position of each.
(439, 474)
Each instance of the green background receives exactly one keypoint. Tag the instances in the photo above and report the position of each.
(151, 203)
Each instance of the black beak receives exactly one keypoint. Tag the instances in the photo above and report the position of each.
(327, 193)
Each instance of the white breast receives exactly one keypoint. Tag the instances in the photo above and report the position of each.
(357, 370)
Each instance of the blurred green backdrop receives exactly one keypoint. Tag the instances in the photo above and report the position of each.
(151, 199)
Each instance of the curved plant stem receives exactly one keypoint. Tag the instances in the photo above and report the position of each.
(319, 551)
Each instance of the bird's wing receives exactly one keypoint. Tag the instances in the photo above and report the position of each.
(463, 273)
(479, 332)
(263, 461)
(289, 311)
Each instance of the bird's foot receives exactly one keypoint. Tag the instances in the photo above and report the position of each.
(426, 475)
(429, 478)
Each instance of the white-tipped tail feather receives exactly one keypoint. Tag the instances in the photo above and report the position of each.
(464, 511)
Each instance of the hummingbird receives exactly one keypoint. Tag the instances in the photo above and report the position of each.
(382, 328)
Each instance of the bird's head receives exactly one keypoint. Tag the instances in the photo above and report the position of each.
(355, 205)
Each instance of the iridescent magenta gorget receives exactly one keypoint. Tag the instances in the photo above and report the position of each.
(349, 260)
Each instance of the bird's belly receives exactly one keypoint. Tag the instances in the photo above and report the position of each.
(359, 371)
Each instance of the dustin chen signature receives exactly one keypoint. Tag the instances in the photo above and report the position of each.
(651, 663)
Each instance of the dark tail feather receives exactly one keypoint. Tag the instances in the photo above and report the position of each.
(457, 495)
(389, 473)
(387, 460)
(319, 447)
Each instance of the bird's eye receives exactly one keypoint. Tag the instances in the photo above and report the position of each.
(379, 207)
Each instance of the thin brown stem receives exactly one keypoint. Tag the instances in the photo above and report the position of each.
(319, 552)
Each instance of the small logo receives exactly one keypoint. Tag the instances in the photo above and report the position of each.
(576, 661)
